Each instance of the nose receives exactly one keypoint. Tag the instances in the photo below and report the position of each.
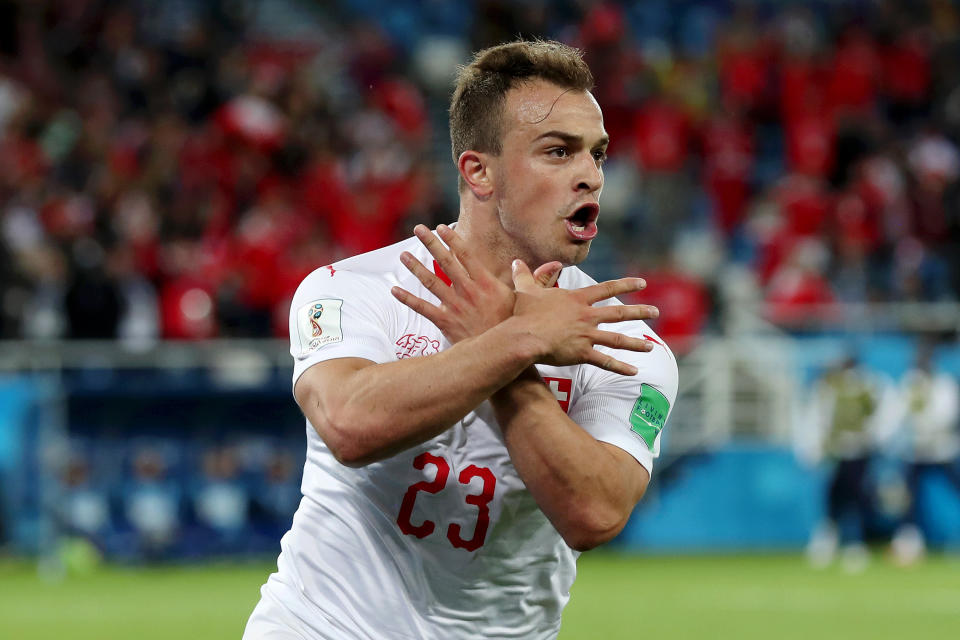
(589, 174)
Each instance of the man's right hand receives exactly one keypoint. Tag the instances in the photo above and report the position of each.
(562, 324)
(475, 300)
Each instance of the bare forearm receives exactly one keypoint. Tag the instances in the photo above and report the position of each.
(380, 410)
(576, 480)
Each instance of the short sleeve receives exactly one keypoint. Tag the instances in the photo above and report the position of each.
(630, 412)
(339, 314)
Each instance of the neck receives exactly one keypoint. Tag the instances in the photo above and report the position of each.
(482, 233)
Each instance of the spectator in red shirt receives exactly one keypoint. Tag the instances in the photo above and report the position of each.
(810, 137)
(934, 163)
(805, 203)
(802, 81)
(728, 156)
(617, 65)
(662, 135)
(855, 221)
(882, 184)
(187, 307)
(247, 296)
(744, 66)
(855, 73)
(662, 140)
(670, 287)
(799, 292)
(907, 76)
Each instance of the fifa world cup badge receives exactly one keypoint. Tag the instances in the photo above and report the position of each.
(318, 324)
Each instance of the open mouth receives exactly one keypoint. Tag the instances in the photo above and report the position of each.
(582, 223)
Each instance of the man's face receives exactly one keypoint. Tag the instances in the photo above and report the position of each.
(549, 175)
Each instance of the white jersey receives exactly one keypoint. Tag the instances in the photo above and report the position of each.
(442, 541)
(931, 404)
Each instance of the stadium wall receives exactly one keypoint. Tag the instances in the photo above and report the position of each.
(741, 492)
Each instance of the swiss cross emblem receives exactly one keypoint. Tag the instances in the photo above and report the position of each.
(561, 388)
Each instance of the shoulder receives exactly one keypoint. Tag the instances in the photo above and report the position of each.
(347, 309)
(379, 261)
(660, 367)
(656, 368)
(365, 275)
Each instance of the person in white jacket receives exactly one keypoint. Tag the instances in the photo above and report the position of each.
(929, 409)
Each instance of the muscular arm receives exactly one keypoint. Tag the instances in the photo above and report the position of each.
(586, 488)
(366, 412)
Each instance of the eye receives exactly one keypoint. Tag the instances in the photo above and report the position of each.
(558, 152)
(600, 156)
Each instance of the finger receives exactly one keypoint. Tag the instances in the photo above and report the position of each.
(418, 305)
(462, 252)
(624, 312)
(609, 363)
(427, 278)
(448, 262)
(616, 340)
(522, 278)
(611, 288)
(547, 274)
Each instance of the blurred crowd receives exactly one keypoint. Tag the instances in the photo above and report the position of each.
(173, 169)
(170, 498)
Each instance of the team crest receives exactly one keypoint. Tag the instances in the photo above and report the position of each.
(413, 345)
(318, 324)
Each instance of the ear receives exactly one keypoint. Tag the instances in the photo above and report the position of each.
(476, 172)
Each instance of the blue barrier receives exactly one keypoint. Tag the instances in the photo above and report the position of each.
(19, 496)
(757, 497)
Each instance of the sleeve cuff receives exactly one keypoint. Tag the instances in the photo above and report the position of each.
(367, 353)
(629, 443)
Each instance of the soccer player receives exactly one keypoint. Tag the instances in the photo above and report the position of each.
(472, 425)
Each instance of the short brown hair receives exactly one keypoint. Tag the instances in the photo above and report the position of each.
(476, 109)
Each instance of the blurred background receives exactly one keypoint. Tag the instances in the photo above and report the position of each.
(785, 175)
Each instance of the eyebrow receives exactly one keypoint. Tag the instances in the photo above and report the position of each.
(572, 139)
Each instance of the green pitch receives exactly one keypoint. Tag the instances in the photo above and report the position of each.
(616, 597)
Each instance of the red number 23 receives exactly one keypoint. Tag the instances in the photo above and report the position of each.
(480, 501)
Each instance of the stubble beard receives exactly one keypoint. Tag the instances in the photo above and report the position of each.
(523, 242)
(517, 241)
(514, 242)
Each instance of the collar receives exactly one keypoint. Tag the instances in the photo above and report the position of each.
(443, 276)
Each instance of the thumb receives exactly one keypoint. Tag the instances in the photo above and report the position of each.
(546, 274)
(523, 280)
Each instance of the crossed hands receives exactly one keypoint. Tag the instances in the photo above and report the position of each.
(562, 324)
